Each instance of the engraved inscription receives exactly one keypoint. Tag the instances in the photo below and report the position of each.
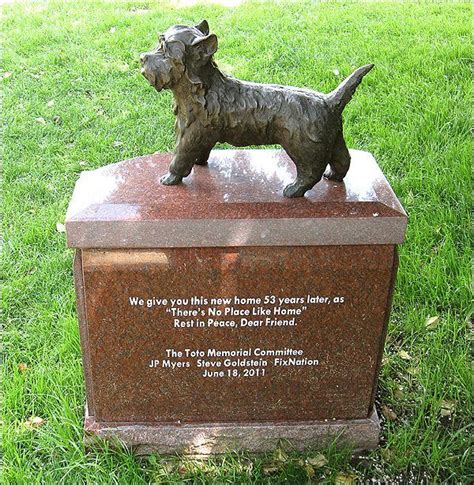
(233, 363)
(233, 313)
(202, 312)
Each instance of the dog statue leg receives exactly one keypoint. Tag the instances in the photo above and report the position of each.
(301, 185)
(340, 160)
(309, 169)
(180, 167)
(203, 156)
(171, 179)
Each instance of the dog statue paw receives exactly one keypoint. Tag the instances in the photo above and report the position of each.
(171, 179)
(307, 124)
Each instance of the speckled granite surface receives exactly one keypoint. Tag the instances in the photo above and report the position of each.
(235, 201)
(208, 439)
(344, 338)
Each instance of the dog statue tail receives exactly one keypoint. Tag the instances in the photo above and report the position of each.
(343, 93)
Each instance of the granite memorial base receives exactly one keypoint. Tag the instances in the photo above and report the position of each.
(218, 315)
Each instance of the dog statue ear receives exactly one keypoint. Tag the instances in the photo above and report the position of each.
(206, 46)
(175, 49)
(203, 27)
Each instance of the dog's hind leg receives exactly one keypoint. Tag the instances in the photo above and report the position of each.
(303, 183)
(340, 160)
(310, 164)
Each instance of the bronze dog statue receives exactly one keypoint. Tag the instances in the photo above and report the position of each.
(212, 107)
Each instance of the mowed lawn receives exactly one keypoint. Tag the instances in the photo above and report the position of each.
(73, 99)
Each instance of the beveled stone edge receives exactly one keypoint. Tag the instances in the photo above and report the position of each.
(209, 439)
(232, 232)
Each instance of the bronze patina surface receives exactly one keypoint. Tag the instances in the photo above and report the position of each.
(213, 107)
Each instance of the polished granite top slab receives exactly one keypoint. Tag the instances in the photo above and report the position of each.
(235, 201)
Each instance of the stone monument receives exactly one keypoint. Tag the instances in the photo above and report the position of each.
(219, 315)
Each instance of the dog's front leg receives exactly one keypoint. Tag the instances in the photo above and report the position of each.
(184, 158)
(204, 155)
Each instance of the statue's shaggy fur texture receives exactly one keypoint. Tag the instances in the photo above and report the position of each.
(212, 107)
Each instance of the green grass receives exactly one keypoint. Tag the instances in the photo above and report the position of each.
(412, 112)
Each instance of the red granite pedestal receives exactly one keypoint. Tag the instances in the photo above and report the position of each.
(218, 315)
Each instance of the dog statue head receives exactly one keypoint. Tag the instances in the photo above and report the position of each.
(181, 50)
